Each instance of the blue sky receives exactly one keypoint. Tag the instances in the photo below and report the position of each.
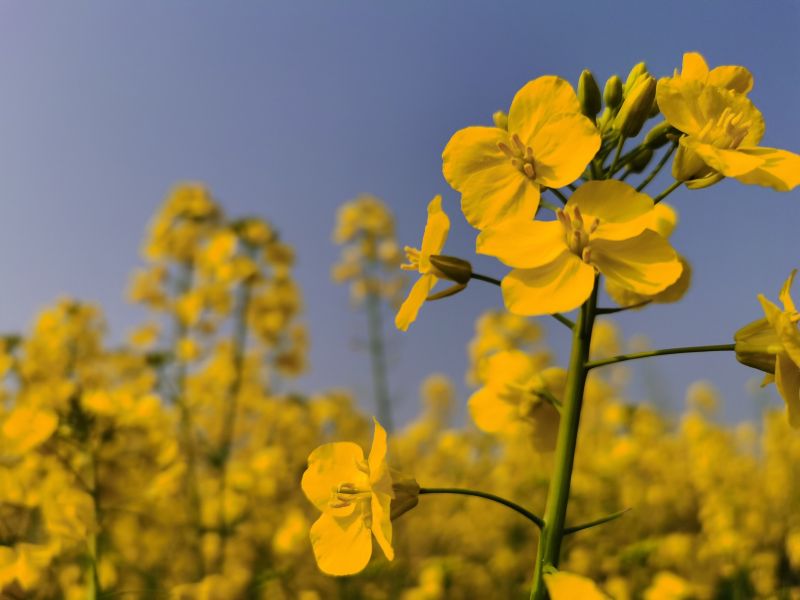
(287, 109)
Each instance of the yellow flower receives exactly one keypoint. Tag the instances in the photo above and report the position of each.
(603, 227)
(355, 498)
(568, 586)
(27, 427)
(729, 77)
(517, 392)
(433, 239)
(787, 362)
(498, 171)
(723, 129)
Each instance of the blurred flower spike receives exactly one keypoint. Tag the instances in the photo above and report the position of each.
(358, 498)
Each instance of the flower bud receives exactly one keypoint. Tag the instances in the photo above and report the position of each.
(757, 344)
(634, 75)
(500, 119)
(452, 268)
(658, 135)
(406, 494)
(636, 107)
(588, 94)
(612, 93)
(640, 161)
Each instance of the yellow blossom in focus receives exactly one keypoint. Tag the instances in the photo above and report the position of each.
(730, 77)
(546, 142)
(433, 240)
(355, 498)
(604, 227)
(568, 586)
(723, 129)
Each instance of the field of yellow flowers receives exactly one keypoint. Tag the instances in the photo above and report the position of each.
(179, 465)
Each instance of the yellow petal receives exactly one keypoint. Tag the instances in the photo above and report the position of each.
(568, 586)
(471, 150)
(779, 170)
(694, 67)
(491, 411)
(562, 148)
(664, 218)
(26, 427)
(785, 294)
(559, 286)
(731, 163)
(342, 545)
(537, 102)
(678, 100)
(731, 77)
(623, 212)
(416, 298)
(784, 327)
(328, 466)
(495, 195)
(646, 264)
(523, 244)
(787, 380)
(436, 228)
(380, 505)
(378, 470)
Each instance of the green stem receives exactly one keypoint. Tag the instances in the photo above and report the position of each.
(557, 316)
(377, 353)
(595, 523)
(613, 168)
(667, 192)
(661, 352)
(564, 458)
(657, 168)
(466, 492)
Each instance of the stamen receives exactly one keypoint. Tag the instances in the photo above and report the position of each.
(595, 224)
(518, 143)
(528, 168)
(505, 150)
(586, 255)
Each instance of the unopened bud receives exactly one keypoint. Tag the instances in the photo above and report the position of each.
(500, 119)
(757, 345)
(452, 268)
(640, 160)
(636, 107)
(612, 93)
(658, 135)
(636, 72)
(406, 494)
(588, 94)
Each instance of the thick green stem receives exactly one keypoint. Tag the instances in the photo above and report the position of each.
(661, 352)
(508, 503)
(377, 352)
(558, 493)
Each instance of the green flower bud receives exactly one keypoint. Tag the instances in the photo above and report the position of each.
(658, 135)
(452, 268)
(757, 345)
(500, 119)
(612, 93)
(640, 161)
(633, 77)
(588, 94)
(635, 109)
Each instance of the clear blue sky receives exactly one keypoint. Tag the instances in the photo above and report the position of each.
(286, 109)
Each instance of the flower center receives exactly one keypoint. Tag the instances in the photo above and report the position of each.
(576, 232)
(521, 156)
(727, 131)
(416, 261)
(348, 492)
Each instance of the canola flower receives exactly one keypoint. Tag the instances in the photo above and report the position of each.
(603, 228)
(499, 171)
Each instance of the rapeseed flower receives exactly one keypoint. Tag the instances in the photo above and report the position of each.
(729, 77)
(546, 142)
(604, 227)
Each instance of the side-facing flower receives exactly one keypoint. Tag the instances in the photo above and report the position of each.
(433, 240)
(787, 360)
(729, 77)
(546, 142)
(723, 129)
(355, 496)
(604, 227)
(518, 393)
